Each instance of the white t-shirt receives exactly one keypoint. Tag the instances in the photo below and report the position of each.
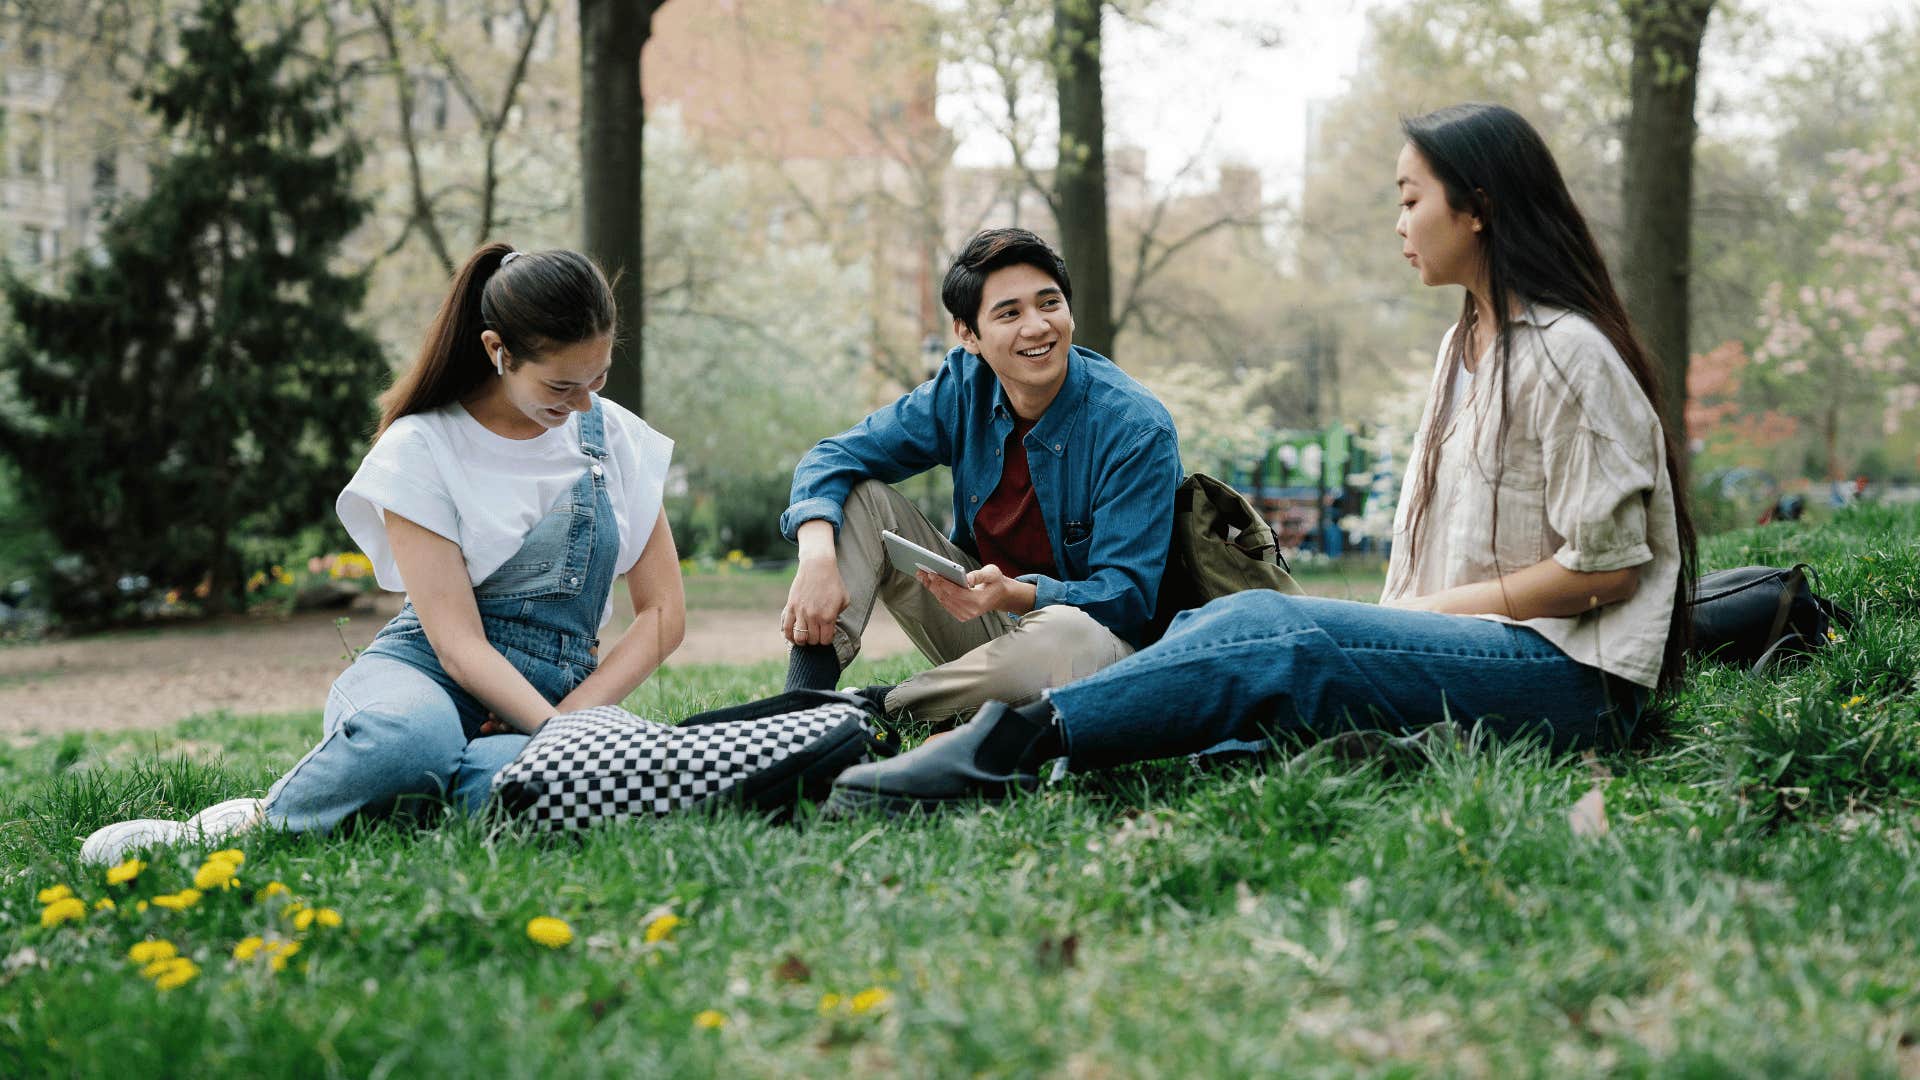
(447, 473)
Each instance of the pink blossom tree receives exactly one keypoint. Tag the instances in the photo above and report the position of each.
(1842, 343)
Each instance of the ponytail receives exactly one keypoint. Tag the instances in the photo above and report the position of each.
(545, 298)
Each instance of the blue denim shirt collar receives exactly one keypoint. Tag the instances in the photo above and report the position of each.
(1056, 424)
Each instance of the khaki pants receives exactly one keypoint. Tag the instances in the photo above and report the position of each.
(993, 658)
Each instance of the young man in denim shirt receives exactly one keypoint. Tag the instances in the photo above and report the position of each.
(1064, 471)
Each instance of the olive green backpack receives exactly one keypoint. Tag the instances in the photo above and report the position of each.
(1220, 545)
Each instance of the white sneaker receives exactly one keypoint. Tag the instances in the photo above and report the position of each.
(110, 844)
(224, 819)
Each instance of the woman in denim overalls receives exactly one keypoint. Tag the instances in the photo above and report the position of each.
(451, 688)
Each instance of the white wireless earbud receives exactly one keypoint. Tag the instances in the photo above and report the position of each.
(500, 359)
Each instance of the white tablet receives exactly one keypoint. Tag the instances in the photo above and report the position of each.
(907, 557)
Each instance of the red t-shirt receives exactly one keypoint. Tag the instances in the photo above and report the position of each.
(1009, 529)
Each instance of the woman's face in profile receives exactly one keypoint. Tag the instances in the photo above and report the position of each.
(1442, 243)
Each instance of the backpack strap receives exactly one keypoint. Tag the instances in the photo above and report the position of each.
(1790, 586)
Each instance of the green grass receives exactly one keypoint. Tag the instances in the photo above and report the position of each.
(1752, 911)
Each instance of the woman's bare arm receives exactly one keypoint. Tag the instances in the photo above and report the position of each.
(659, 625)
(436, 575)
(1544, 590)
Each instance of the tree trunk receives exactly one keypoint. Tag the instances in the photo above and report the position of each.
(1658, 188)
(612, 121)
(1080, 180)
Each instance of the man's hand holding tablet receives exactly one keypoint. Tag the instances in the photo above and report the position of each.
(964, 595)
(910, 558)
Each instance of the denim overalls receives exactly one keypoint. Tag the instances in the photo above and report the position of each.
(396, 723)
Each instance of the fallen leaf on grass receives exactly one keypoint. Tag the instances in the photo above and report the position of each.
(792, 970)
(1057, 953)
(1589, 816)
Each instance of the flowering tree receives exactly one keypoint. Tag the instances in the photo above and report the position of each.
(1841, 343)
(1218, 417)
(1720, 419)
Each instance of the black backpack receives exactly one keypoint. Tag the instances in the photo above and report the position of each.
(1755, 616)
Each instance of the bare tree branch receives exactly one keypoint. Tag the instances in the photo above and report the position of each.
(423, 215)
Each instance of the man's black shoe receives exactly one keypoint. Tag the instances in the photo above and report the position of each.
(996, 753)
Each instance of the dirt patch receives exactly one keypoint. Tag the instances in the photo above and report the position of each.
(259, 665)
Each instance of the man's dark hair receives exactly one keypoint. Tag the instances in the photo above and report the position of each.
(989, 251)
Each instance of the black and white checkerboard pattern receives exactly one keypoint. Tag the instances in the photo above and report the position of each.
(606, 764)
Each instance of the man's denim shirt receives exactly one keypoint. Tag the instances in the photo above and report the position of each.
(1105, 462)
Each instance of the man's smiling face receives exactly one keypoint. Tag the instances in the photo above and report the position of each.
(1026, 329)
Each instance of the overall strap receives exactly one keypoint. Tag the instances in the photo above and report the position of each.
(593, 430)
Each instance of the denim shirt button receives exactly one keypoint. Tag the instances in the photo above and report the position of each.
(597, 470)
(573, 582)
(1057, 447)
(974, 498)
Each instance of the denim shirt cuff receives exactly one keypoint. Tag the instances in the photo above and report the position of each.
(817, 509)
(1046, 591)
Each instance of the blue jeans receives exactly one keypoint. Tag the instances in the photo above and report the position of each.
(1259, 663)
(391, 731)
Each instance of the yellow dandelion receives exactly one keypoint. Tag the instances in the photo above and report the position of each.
(179, 901)
(180, 973)
(146, 952)
(326, 916)
(52, 893)
(303, 919)
(247, 947)
(105, 903)
(1853, 701)
(125, 872)
(173, 596)
(65, 909)
(258, 579)
(659, 929)
(279, 951)
(140, 907)
(869, 1000)
(829, 1003)
(215, 875)
(232, 855)
(709, 1019)
(293, 909)
(272, 889)
(549, 931)
(158, 967)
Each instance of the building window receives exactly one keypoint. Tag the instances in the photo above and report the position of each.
(26, 246)
(430, 107)
(28, 142)
(106, 174)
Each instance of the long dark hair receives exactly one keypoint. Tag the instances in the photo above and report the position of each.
(1535, 245)
(539, 300)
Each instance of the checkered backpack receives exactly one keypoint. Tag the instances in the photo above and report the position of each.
(606, 764)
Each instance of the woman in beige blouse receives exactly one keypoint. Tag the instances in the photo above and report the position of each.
(1539, 549)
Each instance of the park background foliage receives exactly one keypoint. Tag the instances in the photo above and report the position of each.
(774, 288)
(188, 403)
